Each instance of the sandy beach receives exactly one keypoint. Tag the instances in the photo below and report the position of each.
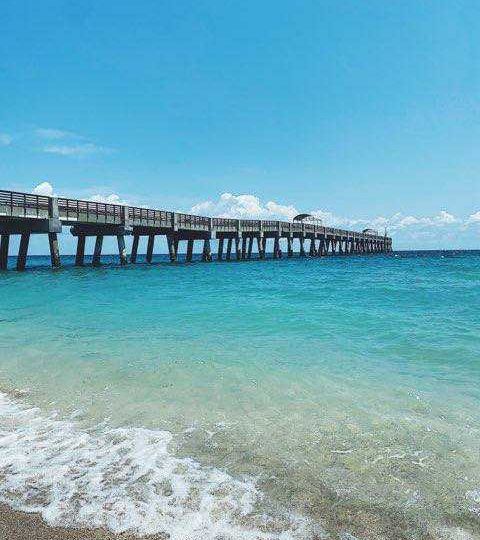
(16, 525)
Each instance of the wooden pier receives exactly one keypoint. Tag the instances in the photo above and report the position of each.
(26, 214)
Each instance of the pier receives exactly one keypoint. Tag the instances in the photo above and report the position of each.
(25, 214)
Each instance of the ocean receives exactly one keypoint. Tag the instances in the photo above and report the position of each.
(291, 399)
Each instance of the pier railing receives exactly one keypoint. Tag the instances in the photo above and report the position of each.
(150, 218)
(25, 205)
(90, 211)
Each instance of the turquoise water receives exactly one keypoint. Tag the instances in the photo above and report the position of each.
(303, 398)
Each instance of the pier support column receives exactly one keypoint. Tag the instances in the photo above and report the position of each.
(122, 252)
(340, 246)
(238, 248)
(97, 252)
(172, 248)
(150, 245)
(250, 247)
(22, 251)
(133, 254)
(207, 254)
(229, 249)
(220, 249)
(321, 247)
(276, 247)
(302, 246)
(333, 244)
(4, 251)
(312, 251)
(261, 251)
(54, 251)
(244, 247)
(80, 255)
(289, 247)
(189, 250)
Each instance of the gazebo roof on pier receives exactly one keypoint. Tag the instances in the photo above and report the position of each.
(308, 218)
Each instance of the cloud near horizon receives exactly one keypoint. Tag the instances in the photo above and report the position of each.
(441, 229)
(46, 188)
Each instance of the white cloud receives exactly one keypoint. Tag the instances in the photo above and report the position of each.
(44, 188)
(76, 150)
(5, 139)
(441, 229)
(250, 206)
(474, 218)
(245, 207)
(445, 218)
(54, 134)
(113, 198)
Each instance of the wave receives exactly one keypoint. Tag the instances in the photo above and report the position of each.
(126, 480)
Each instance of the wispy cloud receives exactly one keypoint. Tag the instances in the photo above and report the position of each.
(76, 150)
(55, 134)
(5, 139)
(67, 143)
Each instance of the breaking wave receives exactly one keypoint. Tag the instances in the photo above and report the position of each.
(126, 480)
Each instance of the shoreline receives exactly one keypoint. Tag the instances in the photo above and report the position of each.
(18, 525)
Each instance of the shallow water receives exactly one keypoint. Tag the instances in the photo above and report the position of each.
(266, 399)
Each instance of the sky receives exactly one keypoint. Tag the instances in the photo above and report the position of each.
(364, 113)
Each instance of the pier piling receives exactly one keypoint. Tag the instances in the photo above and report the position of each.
(238, 250)
(220, 249)
(189, 250)
(261, 251)
(133, 253)
(122, 252)
(97, 251)
(150, 245)
(80, 255)
(22, 251)
(207, 254)
(4, 242)
(229, 249)
(54, 250)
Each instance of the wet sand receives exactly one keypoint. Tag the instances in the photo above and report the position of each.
(22, 526)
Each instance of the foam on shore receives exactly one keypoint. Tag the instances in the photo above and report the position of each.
(125, 480)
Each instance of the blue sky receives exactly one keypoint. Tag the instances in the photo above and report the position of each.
(365, 112)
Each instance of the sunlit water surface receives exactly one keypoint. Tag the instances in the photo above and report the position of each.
(301, 398)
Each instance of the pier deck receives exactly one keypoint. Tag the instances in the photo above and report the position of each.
(25, 214)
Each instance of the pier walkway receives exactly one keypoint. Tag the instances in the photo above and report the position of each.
(25, 214)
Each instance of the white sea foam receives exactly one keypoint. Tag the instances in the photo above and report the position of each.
(126, 480)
